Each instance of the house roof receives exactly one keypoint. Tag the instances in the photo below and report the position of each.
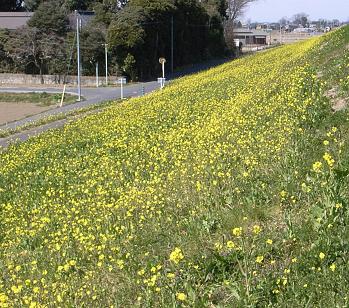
(250, 32)
(14, 20)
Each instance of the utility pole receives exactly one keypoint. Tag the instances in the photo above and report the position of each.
(106, 63)
(97, 81)
(78, 54)
(280, 35)
(172, 39)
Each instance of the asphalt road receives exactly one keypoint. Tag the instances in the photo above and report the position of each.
(92, 96)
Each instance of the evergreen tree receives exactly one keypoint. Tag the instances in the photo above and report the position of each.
(50, 17)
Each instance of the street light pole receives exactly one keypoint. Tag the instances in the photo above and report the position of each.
(97, 81)
(280, 35)
(172, 43)
(78, 54)
(106, 63)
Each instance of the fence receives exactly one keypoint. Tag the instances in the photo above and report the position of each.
(24, 79)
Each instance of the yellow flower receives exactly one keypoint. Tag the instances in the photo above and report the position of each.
(305, 188)
(72, 262)
(3, 298)
(16, 289)
(269, 241)
(230, 245)
(218, 246)
(333, 267)
(237, 231)
(141, 272)
(294, 260)
(181, 296)
(171, 275)
(328, 158)
(176, 255)
(120, 263)
(257, 229)
(322, 255)
(317, 167)
(339, 205)
(36, 290)
(283, 194)
(259, 259)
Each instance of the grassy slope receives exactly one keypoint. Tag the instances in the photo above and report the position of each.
(101, 204)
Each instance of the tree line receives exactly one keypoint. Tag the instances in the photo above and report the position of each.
(138, 33)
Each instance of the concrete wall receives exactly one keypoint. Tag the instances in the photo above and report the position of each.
(24, 79)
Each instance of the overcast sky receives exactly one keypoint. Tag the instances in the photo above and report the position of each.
(274, 10)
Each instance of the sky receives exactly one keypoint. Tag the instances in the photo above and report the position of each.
(274, 10)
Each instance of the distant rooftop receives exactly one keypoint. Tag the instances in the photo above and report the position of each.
(14, 20)
(250, 31)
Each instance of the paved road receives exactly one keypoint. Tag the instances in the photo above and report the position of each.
(91, 95)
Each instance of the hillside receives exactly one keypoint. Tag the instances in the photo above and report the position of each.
(227, 188)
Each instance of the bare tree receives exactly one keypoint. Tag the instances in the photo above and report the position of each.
(30, 46)
(236, 8)
(283, 21)
(301, 19)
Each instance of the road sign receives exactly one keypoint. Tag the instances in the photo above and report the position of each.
(122, 81)
(161, 81)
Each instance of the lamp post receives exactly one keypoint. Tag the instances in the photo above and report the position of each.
(162, 80)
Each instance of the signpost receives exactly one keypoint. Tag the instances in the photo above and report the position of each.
(162, 61)
(97, 81)
(162, 80)
(122, 81)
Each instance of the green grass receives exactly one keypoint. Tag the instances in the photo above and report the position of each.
(201, 195)
(40, 99)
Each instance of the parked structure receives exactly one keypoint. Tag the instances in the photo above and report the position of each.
(251, 36)
(14, 20)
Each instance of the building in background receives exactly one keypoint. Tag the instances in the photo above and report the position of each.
(14, 20)
(251, 36)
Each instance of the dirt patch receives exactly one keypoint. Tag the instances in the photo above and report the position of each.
(15, 111)
(332, 93)
(338, 103)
